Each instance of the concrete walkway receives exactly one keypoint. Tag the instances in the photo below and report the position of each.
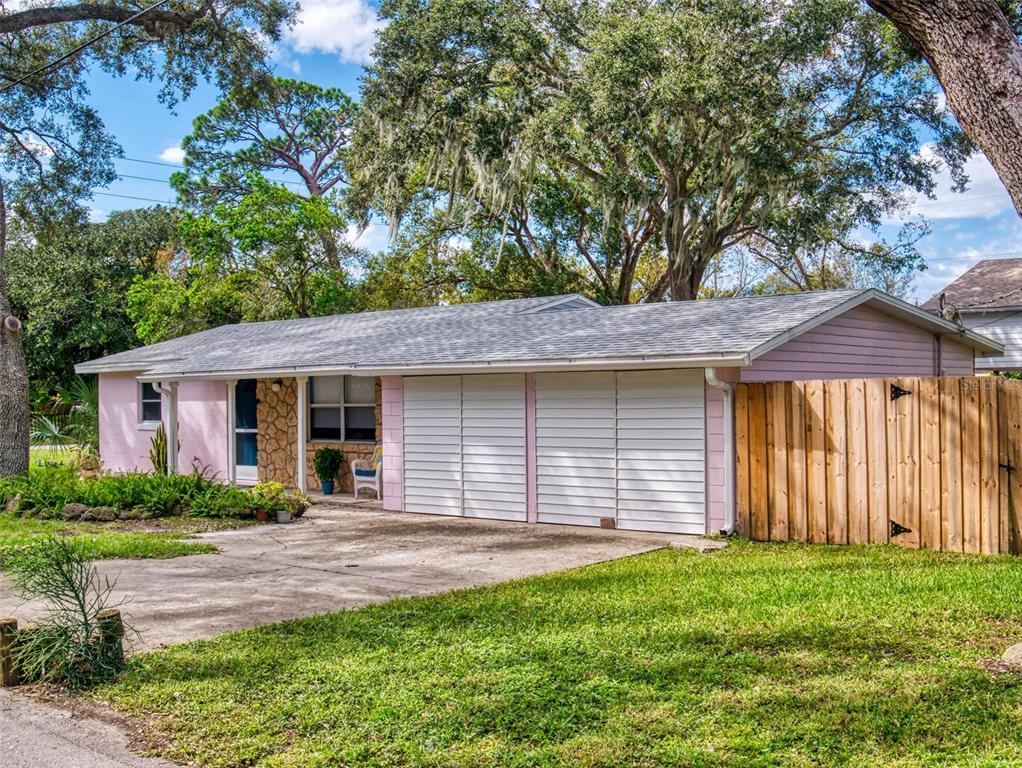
(336, 558)
(38, 735)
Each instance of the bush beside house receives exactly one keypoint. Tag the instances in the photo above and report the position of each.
(59, 492)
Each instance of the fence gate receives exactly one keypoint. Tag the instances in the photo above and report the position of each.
(932, 463)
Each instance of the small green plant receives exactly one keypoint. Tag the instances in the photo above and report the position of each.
(327, 463)
(67, 645)
(158, 451)
(273, 496)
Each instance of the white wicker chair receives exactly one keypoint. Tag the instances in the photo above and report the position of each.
(365, 475)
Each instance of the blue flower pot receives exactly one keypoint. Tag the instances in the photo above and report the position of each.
(328, 487)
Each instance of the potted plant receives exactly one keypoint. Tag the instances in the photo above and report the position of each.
(327, 463)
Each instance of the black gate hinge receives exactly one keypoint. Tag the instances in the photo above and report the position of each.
(897, 529)
(897, 392)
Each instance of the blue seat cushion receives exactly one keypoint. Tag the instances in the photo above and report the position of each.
(364, 473)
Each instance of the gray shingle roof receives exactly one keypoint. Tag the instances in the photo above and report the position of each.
(990, 284)
(502, 332)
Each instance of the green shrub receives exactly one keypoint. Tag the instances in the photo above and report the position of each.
(47, 490)
(327, 463)
(65, 645)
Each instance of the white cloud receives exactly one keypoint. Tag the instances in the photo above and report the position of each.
(345, 27)
(374, 238)
(985, 196)
(173, 154)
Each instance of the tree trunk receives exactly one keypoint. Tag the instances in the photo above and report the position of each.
(330, 249)
(977, 57)
(684, 279)
(14, 410)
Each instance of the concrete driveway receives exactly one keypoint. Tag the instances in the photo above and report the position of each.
(337, 558)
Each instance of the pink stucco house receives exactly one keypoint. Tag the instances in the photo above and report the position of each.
(548, 410)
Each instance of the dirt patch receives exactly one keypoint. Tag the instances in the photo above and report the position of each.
(175, 525)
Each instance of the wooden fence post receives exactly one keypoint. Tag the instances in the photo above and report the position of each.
(111, 632)
(8, 631)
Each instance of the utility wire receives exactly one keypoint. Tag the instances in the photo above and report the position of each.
(179, 167)
(133, 197)
(105, 33)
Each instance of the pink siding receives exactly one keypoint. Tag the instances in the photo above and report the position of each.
(393, 443)
(202, 419)
(123, 444)
(862, 342)
(956, 359)
(202, 426)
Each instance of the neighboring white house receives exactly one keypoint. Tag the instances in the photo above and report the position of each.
(988, 299)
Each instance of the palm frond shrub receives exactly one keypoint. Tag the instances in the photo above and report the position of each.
(66, 644)
(72, 418)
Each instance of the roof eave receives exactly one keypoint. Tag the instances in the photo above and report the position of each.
(647, 362)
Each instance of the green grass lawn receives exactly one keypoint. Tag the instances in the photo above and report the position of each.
(104, 540)
(49, 453)
(761, 655)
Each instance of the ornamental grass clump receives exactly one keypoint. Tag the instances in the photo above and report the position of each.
(69, 645)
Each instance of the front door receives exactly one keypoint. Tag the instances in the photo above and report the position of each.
(245, 432)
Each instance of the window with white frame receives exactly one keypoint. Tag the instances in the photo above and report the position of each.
(150, 408)
(342, 408)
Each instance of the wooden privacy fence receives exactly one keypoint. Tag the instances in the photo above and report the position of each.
(933, 463)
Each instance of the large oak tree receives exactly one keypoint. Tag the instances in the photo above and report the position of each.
(636, 141)
(53, 147)
(973, 47)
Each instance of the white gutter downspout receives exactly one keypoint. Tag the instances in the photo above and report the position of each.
(170, 390)
(729, 448)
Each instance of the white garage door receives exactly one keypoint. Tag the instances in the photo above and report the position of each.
(626, 445)
(493, 446)
(660, 423)
(464, 445)
(575, 447)
(432, 450)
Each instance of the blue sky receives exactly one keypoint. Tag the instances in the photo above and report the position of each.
(332, 42)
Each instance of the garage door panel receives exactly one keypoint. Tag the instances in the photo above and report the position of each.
(495, 463)
(575, 447)
(655, 526)
(506, 506)
(493, 436)
(433, 452)
(566, 499)
(646, 463)
(636, 485)
(577, 479)
(432, 444)
(553, 517)
(660, 460)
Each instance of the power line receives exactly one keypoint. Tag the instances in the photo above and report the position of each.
(150, 162)
(57, 62)
(174, 165)
(133, 197)
(141, 178)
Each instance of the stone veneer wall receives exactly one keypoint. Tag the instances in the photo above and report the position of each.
(278, 437)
